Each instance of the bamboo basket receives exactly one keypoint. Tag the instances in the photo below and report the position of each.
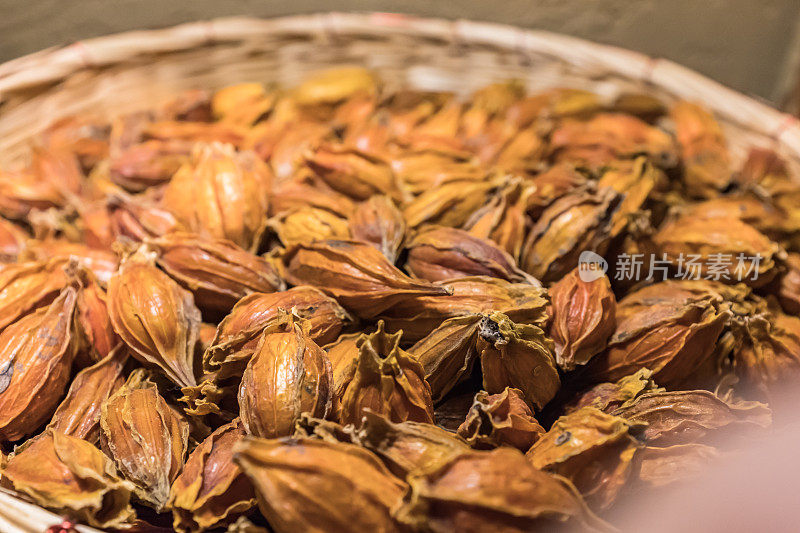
(143, 69)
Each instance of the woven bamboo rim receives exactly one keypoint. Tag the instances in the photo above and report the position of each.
(136, 70)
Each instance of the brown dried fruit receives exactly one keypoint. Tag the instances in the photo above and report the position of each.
(218, 272)
(305, 190)
(36, 354)
(705, 155)
(353, 173)
(138, 219)
(93, 320)
(502, 419)
(148, 164)
(584, 317)
(12, 240)
(212, 490)
(309, 224)
(355, 273)
(70, 476)
(25, 287)
(450, 204)
(379, 222)
(102, 263)
(592, 449)
(495, 490)
(608, 397)
(221, 194)
(635, 180)
(438, 253)
(315, 485)
(519, 356)
(789, 285)
(147, 439)
(154, 316)
(287, 375)
(658, 467)
(387, 380)
(334, 85)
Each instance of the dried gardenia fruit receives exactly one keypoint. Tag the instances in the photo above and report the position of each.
(353, 173)
(36, 354)
(138, 219)
(379, 222)
(154, 316)
(699, 416)
(658, 467)
(672, 336)
(27, 286)
(147, 439)
(102, 263)
(315, 485)
(93, 320)
(496, 490)
(334, 85)
(309, 224)
(218, 272)
(69, 475)
(438, 253)
(789, 289)
(287, 375)
(448, 353)
(608, 397)
(211, 490)
(408, 447)
(592, 449)
(743, 253)
(705, 155)
(519, 356)
(387, 380)
(148, 164)
(420, 315)
(450, 204)
(78, 414)
(12, 240)
(221, 194)
(573, 224)
(502, 419)
(304, 190)
(355, 273)
(636, 180)
(584, 317)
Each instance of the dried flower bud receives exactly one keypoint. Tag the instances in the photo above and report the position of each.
(448, 353)
(355, 273)
(78, 414)
(408, 447)
(438, 253)
(212, 490)
(309, 224)
(705, 155)
(315, 485)
(377, 221)
(218, 272)
(698, 416)
(500, 420)
(36, 354)
(69, 475)
(519, 356)
(221, 194)
(584, 317)
(288, 374)
(387, 380)
(577, 222)
(496, 490)
(27, 286)
(147, 439)
(154, 316)
(608, 397)
(751, 254)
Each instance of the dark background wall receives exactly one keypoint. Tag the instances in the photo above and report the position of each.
(748, 45)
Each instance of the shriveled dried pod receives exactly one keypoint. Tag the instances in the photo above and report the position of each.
(355, 273)
(438, 253)
(551, 185)
(672, 335)
(729, 249)
(102, 263)
(308, 224)
(218, 272)
(221, 194)
(154, 316)
(789, 285)
(212, 490)
(148, 164)
(379, 222)
(448, 353)
(703, 148)
(519, 356)
(450, 204)
(138, 218)
(27, 286)
(502, 419)
(334, 85)
(573, 224)
(78, 414)
(70, 476)
(355, 174)
(636, 180)
(592, 449)
(36, 354)
(242, 104)
(148, 440)
(408, 447)
(343, 355)
(583, 317)
(659, 467)
(316, 485)
(496, 490)
(698, 416)
(197, 132)
(91, 315)
(304, 189)
(287, 375)
(608, 397)
(12, 240)
(387, 380)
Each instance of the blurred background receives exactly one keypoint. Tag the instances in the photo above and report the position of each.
(753, 47)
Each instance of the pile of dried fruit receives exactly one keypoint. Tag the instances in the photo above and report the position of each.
(341, 308)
